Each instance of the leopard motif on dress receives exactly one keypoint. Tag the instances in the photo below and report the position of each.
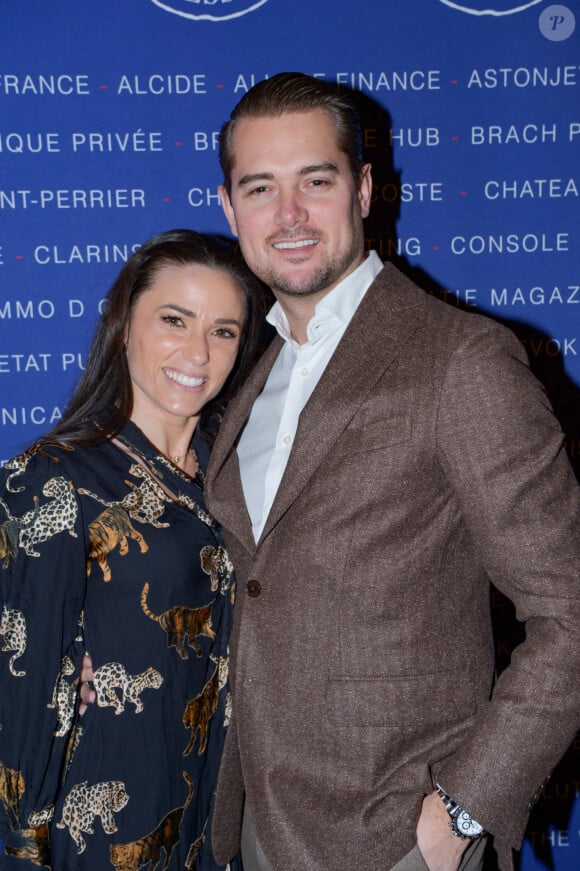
(58, 515)
(146, 501)
(84, 803)
(113, 675)
(216, 563)
(64, 697)
(13, 630)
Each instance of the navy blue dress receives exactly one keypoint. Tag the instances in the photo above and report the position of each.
(110, 549)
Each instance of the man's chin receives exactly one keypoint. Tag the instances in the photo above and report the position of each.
(299, 285)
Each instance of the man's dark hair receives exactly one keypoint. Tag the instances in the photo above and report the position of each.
(295, 92)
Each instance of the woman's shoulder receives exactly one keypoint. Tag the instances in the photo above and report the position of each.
(35, 466)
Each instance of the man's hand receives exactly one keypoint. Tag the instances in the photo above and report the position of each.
(440, 848)
(88, 695)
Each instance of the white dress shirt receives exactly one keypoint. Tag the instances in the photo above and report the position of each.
(267, 439)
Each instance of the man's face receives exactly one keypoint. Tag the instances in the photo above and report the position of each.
(295, 206)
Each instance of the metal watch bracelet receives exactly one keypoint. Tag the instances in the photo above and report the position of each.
(461, 822)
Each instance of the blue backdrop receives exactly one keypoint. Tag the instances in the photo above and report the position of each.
(109, 113)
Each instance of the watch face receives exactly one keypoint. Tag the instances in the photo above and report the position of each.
(467, 826)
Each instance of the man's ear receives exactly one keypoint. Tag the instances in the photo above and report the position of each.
(365, 189)
(228, 209)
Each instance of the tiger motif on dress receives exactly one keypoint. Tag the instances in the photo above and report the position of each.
(193, 853)
(112, 528)
(216, 563)
(36, 846)
(84, 803)
(58, 515)
(64, 697)
(12, 788)
(136, 854)
(13, 630)
(180, 622)
(199, 710)
(113, 675)
(10, 531)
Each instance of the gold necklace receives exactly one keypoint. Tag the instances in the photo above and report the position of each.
(177, 459)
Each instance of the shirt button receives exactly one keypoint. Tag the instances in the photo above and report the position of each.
(305, 371)
(253, 589)
(287, 439)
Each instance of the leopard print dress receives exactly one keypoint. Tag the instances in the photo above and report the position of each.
(110, 549)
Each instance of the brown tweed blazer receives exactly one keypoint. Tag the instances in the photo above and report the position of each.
(426, 463)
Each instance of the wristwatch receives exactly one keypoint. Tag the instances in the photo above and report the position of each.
(461, 823)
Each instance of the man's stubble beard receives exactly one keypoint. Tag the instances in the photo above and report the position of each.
(328, 274)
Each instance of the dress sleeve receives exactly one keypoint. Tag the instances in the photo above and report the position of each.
(42, 589)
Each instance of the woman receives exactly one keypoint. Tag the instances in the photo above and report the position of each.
(106, 546)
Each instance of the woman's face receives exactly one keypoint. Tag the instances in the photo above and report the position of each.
(182, 342)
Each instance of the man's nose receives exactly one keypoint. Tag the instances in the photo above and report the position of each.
(291, 209)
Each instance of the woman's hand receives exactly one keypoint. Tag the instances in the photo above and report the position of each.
(86, 692)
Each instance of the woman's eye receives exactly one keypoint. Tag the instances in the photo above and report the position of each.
(172, 320)
(225, 333)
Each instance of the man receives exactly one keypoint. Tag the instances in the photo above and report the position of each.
(388, 458)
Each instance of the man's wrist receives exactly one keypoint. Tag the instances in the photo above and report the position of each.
(461, 822)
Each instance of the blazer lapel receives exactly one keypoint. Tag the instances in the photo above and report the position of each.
(385, 319)
(223, 485)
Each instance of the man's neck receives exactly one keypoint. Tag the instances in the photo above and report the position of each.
(300, 310)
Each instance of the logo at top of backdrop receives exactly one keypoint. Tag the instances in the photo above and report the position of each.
(209, 10)
(490, 7)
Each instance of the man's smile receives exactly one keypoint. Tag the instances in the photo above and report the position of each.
(290, 245)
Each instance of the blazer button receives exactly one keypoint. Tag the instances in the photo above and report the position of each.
(253, 589)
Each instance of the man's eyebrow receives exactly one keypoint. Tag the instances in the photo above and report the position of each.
(320, 167)
(252, 177)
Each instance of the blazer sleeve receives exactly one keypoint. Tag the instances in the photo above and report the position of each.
(42, 587)
(503, 451)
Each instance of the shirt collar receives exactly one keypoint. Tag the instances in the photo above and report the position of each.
(336, 309)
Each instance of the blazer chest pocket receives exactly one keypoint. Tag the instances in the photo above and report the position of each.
(376, 435)
(400, 700)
